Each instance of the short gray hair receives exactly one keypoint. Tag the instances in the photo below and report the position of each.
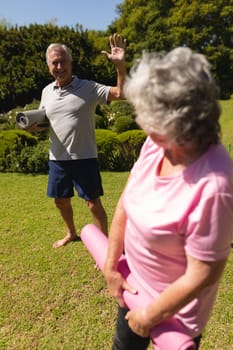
(175, 94)
(58, 46)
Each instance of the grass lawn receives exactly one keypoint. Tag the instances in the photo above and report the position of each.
(55, 299)
(50, 299)
(226, 122)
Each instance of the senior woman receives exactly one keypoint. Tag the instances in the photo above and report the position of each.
(174, 219)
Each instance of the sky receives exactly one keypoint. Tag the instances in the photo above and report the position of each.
(91, 14)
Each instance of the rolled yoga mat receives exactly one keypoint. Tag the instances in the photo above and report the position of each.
(27, 118)
(169, 334)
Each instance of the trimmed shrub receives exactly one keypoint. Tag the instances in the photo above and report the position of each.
(123, 123)
(130, 143)
(121, 108)
(101, 122)
(103, 110)
(13, 141)
(30, 160)
(21, 152)
(118, 152)
(108, 149)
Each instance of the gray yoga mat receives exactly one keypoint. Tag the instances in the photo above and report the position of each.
(27, 118)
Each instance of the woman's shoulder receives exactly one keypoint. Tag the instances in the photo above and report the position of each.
(214, 169)
(219, 160)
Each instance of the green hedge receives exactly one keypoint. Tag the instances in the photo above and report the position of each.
(23, 153)
(108, 148)
(121, 108)
(124, 123)
(130, 144)
(118, 152)
(12, 142)
(31, 160)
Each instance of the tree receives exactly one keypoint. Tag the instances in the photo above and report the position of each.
(151, 25)
(144, 24)
(23, 68)
(204, 26)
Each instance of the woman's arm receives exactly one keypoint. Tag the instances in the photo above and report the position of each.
(116, 283)
(198, 275)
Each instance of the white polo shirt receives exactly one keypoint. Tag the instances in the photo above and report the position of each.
(70, 111)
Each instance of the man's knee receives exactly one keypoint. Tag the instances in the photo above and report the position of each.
(94, 205)
(62, 203)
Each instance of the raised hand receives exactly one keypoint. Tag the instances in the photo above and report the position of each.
(117, 45)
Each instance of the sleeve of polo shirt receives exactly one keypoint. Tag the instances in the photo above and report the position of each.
(102, 92)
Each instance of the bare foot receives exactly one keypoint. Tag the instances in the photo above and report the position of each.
(64, 241)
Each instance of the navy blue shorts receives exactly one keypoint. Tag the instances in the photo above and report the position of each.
(81, 174)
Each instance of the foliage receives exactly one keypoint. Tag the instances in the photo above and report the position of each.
(117, 109)
(124, 123)
(204, 26)
(207, 28)
(13, 141)
(101, 122)
(3, 120)
(27, 155)
(108, 146)
(33, 160)
(118, 152)
(133, 139)
(144, 24)
(130, 145)
(121, 108)
(23, 69)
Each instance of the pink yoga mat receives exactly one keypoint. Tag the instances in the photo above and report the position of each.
(168, 335)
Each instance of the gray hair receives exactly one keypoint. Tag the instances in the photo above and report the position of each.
(176, 95)
(57, 46)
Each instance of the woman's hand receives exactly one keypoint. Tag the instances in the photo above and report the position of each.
(139, 322)
(116, 286)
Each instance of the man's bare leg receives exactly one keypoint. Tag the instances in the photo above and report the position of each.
(66, 211)
(99, 214)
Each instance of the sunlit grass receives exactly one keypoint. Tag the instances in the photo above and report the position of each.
(55, 299)
(50, 299)
(226, 122)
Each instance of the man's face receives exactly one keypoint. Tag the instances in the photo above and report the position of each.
(60, 66)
